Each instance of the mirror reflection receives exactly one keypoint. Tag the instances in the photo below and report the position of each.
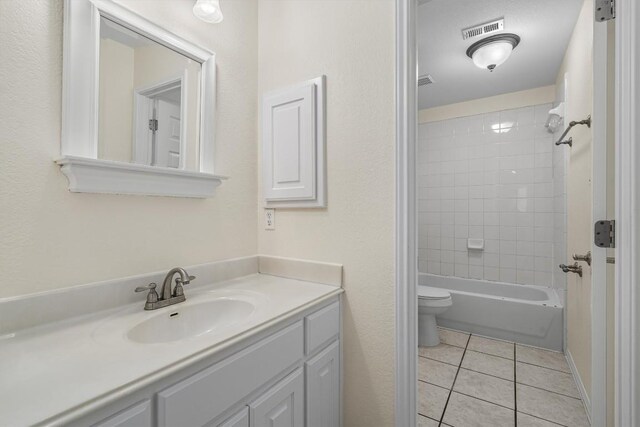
(149, 101)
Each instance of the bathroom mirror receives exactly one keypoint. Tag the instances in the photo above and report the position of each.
(138, 105)
(148, 101)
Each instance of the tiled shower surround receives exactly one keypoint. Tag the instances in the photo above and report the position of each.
(490, 176)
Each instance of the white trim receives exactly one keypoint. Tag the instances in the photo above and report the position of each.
(141, 152)
(581, 388)
(627, 411)
(598, 212)
(406, 214)
(105, 176)
(81, 88)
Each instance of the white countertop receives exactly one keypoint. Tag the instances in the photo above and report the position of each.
(72, 367)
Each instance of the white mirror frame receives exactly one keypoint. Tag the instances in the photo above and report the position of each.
(80, 88)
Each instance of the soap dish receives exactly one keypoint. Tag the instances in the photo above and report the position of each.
(475, 244)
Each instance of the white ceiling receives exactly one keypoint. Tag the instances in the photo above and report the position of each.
(545, 27)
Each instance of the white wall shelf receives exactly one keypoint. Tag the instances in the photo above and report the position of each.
(87, 175)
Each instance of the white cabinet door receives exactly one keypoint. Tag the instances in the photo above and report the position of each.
(136, 416)
(282, 405)
(323, 388)
(241, 419)
(293, 146)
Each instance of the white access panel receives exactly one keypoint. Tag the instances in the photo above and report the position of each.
(293, 146)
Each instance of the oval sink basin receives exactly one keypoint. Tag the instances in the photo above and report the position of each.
(176, 323)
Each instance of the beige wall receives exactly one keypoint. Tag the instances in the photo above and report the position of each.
(507, 101)
(578, 64)
(116, 101)
(352, 42)
(50, 238)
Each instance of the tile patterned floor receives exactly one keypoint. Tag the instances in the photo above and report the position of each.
(469, 381)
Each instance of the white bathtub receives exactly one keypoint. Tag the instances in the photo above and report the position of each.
(525, 314)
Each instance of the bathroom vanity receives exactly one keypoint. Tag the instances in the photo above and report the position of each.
(256, 350)
(296, 364)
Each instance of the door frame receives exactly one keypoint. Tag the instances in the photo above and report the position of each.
(142, 108)
(597, 403)
(627, 175)
(406, 214)
(627, 298)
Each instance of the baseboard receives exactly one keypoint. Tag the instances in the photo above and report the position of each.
(586, 401)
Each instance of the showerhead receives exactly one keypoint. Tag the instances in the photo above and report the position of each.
(555, 118)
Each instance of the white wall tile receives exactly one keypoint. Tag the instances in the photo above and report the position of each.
(447, 269)
(476, 272)
(506, 185)
(447, 256)
(491, 273)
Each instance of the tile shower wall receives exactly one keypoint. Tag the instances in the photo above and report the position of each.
(491, 177)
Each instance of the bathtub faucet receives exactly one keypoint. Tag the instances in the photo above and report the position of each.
(574, 268)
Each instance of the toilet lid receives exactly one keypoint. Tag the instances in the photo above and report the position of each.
(427, 292)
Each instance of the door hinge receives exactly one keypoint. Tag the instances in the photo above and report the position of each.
(605, 10)
(153, 125)
(604, 234)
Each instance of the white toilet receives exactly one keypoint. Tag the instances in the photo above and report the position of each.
(431, 302)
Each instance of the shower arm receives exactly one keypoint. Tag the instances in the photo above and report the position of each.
(586, 121)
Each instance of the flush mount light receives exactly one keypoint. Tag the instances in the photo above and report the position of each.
(209, 11)
(492, 51)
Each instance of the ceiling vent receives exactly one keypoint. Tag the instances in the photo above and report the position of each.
(425, 80)
(482, 29)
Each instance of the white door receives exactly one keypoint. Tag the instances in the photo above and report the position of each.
(166, 152)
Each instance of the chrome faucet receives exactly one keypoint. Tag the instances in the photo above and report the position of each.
(166, 297)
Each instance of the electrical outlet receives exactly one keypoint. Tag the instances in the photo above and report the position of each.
(269, 219)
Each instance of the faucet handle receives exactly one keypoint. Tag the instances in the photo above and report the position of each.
(152, 296)
(149, 287)
(178, 291)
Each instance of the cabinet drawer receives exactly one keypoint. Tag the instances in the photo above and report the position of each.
(202, 397)
(322, 326)
(138, 415)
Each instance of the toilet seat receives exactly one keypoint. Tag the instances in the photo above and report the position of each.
(429, 293)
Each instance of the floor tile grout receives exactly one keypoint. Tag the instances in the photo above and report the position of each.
(550, 391)
(514, 381)
(454, 382)
(491, 354)
(436, 360)
(483, 400)
(543, 419)
(545, 367)
(435, 385)
(484, 373)
(515, 387)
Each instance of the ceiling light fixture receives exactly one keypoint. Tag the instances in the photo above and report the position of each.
(209, 11)
(493, 51)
